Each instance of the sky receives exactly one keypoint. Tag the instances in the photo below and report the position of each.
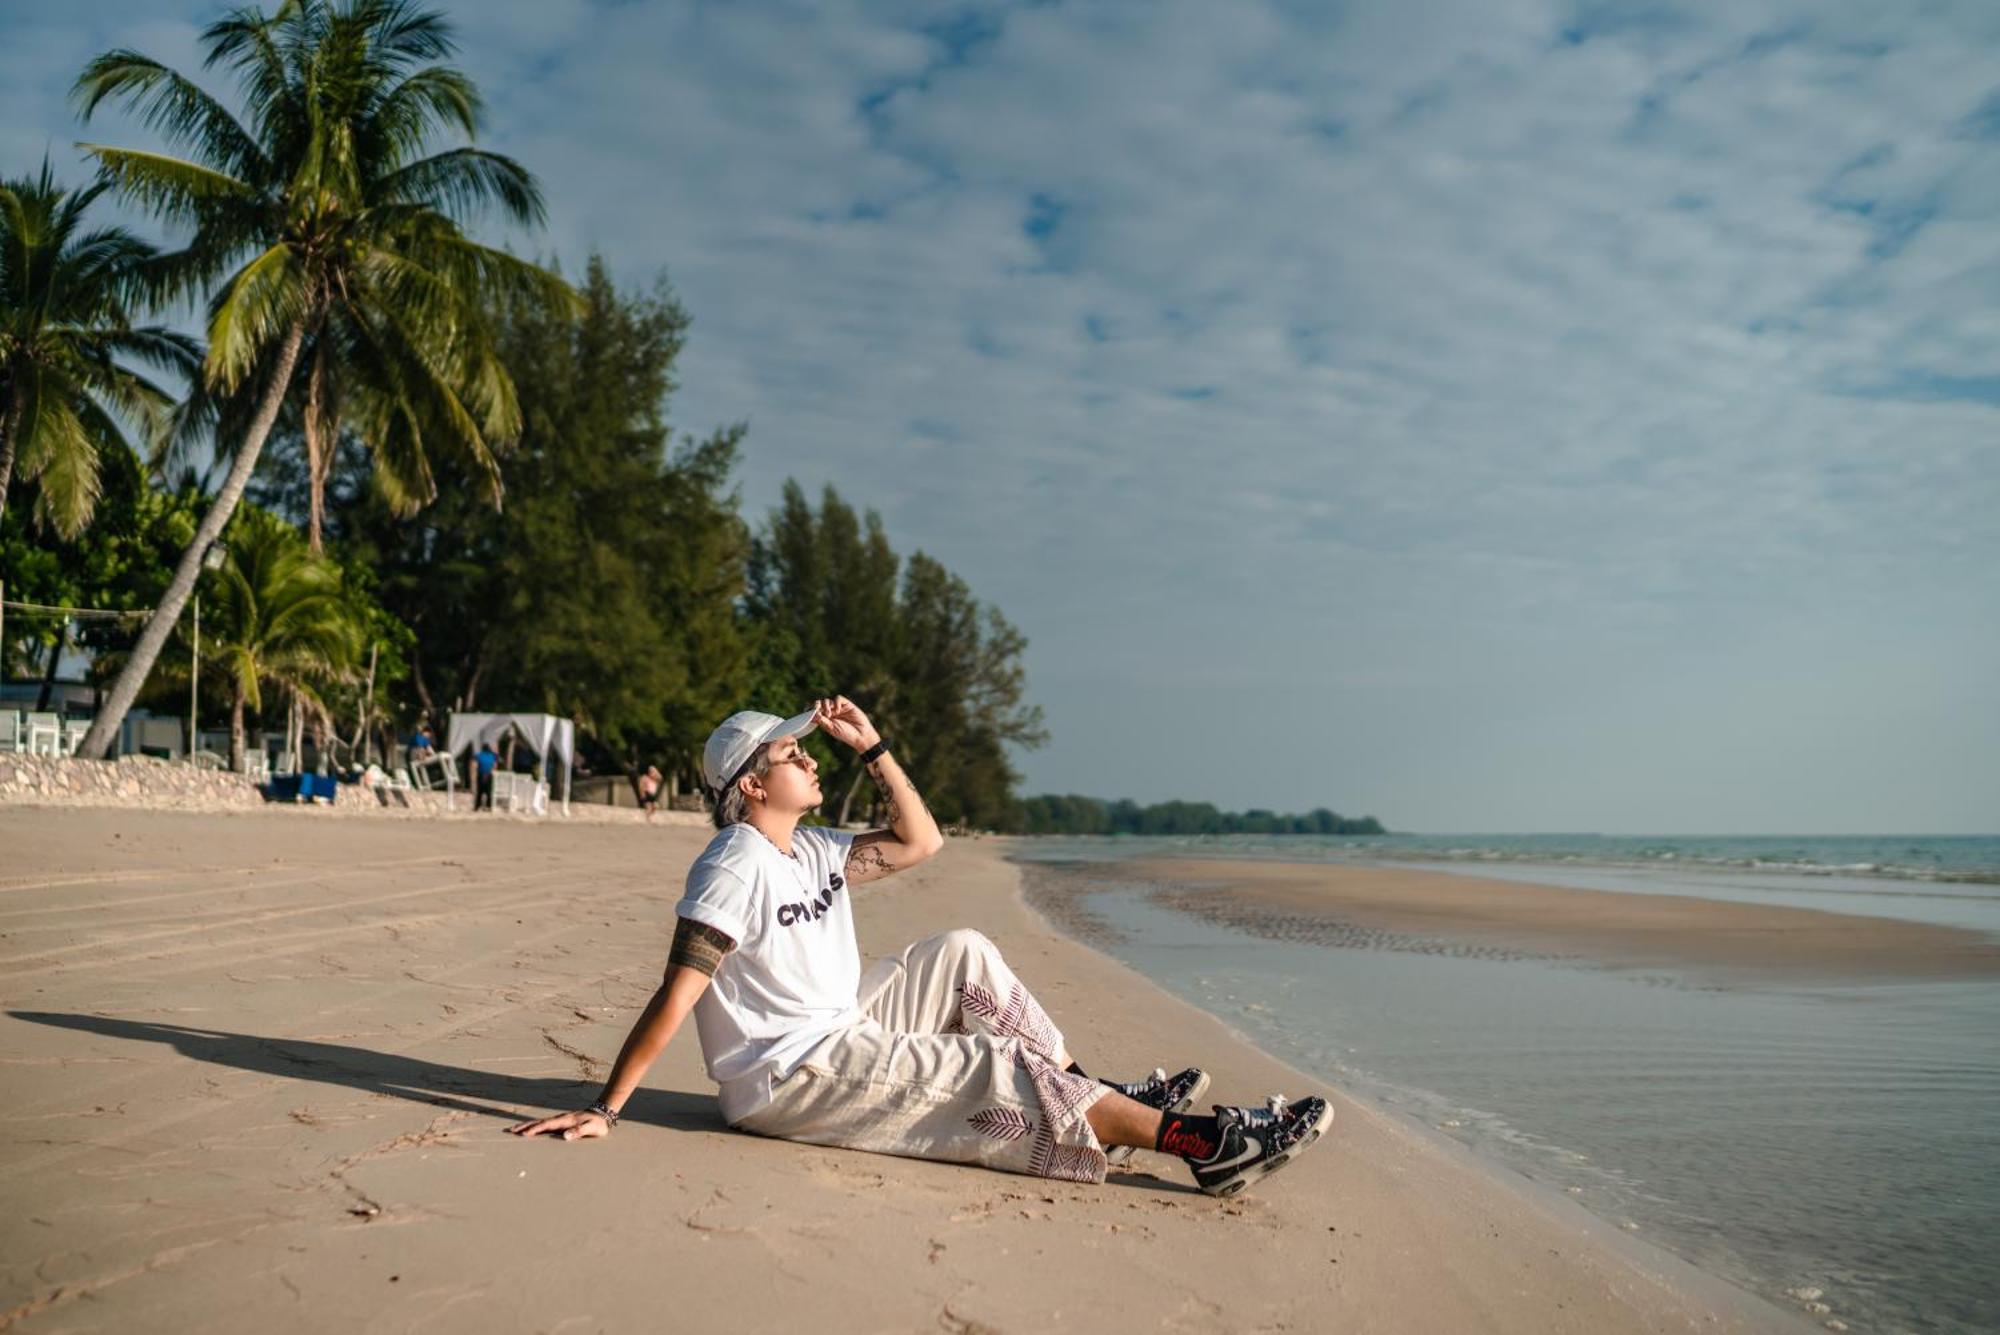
(1488, 415)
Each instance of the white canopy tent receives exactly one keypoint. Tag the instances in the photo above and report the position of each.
(545, 735)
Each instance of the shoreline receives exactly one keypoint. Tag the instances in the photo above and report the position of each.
(262, 1072)
(1641, 1252)
(1400, 908)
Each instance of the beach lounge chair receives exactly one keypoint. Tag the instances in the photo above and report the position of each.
(395, 786)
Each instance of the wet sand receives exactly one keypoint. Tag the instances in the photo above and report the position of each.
(257, 1070)
(1436, 912)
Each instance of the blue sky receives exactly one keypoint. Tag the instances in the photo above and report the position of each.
(1492, 416)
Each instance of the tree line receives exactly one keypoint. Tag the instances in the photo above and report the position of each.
(442, 477)
(1051, 813)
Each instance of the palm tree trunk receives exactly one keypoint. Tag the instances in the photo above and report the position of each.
(417, 680)
(49, 670)
(847, 802)
(236, 728)
(10, 430)
(317, 460)
(104, 728)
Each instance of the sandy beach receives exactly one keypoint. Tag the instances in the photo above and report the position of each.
(259, 1067)
(1394, 908)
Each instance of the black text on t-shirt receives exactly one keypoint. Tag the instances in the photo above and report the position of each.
(810, 910)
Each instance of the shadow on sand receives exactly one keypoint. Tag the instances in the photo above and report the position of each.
(434, 1083)
(388, 1073)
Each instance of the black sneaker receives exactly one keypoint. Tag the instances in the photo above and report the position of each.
(1259, 1141)
(1168, 1093)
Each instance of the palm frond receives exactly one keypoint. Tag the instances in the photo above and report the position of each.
(98, 263)
(168, 349)
(62, 457)
(462, 182)
(185, 115)
(414, 108)
(490, 276)
(131, 395)
(14, 243)
(173, 188)
(402, 471)
(261, 303)
(230, 235)
(407, 32)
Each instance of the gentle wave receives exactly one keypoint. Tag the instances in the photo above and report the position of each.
(1930, 859)
(1792, 866)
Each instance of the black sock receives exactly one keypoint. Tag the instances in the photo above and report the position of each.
(1074, 1069)
(1189, 1135)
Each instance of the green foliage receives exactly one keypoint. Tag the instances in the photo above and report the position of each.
(328, 208)
(1051, 813)
(275, 615)
(329, 247)
(67, 339)
(938, 672)
(606, 591)
(121, 561)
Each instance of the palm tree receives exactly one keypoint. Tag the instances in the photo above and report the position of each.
(332, 243)
(281, 617)
(66, 334)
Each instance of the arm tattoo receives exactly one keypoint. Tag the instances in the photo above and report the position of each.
(699, 946)
(892, 813)
(865, 860)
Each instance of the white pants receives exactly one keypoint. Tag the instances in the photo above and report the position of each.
(955, 1060)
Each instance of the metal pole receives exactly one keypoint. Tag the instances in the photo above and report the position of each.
(194, 687)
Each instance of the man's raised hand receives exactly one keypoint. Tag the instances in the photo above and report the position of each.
(842, 720)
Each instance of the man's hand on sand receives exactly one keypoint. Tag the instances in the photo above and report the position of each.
(842, 720)
(570, 1126)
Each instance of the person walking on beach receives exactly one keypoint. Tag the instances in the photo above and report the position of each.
(939, 1052)
(649, 791)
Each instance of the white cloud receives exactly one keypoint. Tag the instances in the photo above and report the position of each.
(1447, 364)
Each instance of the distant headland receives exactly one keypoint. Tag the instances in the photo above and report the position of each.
(1053, 813)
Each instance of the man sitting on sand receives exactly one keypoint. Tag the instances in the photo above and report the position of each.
(937, 1053)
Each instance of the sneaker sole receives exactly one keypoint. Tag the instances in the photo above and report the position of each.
(1118, 1154)
(1263, 1170)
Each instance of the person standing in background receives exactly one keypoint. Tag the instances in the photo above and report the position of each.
(483, 762)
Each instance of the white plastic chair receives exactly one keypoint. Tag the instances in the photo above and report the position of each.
(73, 732)
(44, 735)
(13, 737)
(396, 783)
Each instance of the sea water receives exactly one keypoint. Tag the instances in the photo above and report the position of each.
(1838, 1137)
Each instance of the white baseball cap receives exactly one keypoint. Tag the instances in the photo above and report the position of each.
(731, 746)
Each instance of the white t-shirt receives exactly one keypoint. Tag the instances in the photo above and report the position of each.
(794, 974)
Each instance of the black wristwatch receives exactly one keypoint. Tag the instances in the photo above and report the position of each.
(875, 752)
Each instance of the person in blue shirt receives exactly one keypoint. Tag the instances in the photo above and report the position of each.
(485, 759)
